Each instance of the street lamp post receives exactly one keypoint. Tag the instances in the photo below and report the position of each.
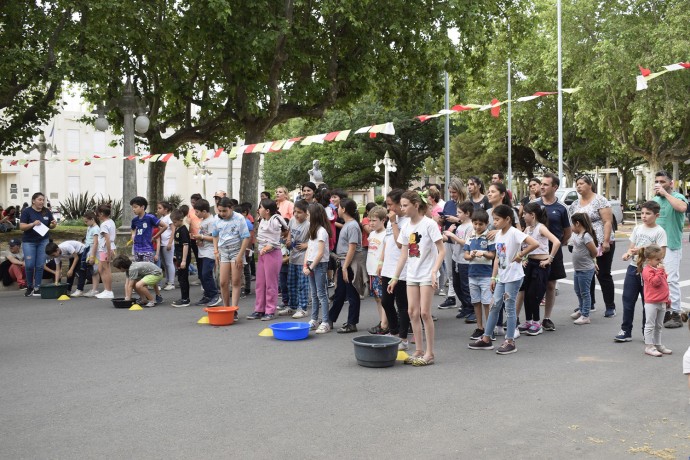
(129, 104)
(388, 167)
(43, 148)
(205, 173)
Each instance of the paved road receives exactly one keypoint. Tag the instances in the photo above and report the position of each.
(81, 379)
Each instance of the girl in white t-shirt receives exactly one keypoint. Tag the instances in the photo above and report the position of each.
(506, 278)
(377, 223)
(422, 249)
(316, 266)
(165, 247)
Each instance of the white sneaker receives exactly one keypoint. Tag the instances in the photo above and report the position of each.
(313, 324)
(91, 293)
(76, 293)
(576, 315)
(323, 328)
(169, 287)
(582, 320)
(663, 350)
(195, 283)
(498, 331)
(300, 314)
(517, 333)
(404, 345)
(105, 295)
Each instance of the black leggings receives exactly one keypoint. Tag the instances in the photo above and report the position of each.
(398, 322)
(604, 262)
(534, 285)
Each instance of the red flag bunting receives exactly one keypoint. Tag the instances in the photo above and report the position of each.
(495, 111)
(331, 136)
(218, 152)
(167, 157)
(644, 72)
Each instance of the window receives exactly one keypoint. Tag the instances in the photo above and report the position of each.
(73, 141)
(36, 184)
(99, 185)
(170, 186)
(99, 142)
(73, 185)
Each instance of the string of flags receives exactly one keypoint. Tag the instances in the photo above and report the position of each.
(647, 74)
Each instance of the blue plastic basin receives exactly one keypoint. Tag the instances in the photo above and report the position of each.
(290, 331)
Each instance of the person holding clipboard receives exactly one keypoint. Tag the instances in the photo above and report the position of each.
(35, 221)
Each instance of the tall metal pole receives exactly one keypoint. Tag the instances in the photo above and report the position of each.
(42, 148)
(386, 163)
(446, 138)
(560, 96)
(129, 169)
(510, 132)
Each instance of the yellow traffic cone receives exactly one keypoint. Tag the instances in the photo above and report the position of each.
(266, 333)
(203, 320)
(64, 297)
(402, 356)
(135, 307)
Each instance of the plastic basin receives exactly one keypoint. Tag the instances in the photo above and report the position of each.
(120, 302)
(53, 291)
(221, 316)
(290, 331)
(376, 350)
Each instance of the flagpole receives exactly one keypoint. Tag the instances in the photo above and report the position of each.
(446, 139)
(510, 132)
(560, 95)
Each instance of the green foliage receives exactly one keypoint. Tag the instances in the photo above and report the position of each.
(74, 207)
(72, 223)
(174, 199)
(380, 200)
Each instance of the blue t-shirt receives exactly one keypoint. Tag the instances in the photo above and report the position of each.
(30, 215)
(231, 232)
(480, 267)
(558, 218)
(144, 232)
(449, 209)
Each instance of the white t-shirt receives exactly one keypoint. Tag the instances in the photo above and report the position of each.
(269, 231)
(391, 251)
(686, 362)
(507, 247)
(108, 227)
(374, 252)
(459, 249)
(313, 246)
(70, 249)
(642, 236)
(206, 229)
(165, 236)
(420, 239)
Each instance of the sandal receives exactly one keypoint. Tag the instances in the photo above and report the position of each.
(412, 358)
(423, 362)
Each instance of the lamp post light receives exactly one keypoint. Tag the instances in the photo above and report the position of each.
(203, 172)
(43, 148)
(388, 167)
(129, 104)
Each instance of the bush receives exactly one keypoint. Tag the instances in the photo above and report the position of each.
(380, 200)
(75, 206)
(72, 223)
(174, 199)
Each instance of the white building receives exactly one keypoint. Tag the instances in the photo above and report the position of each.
(104, 176)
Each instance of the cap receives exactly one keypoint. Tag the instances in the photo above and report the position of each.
(220, 194)
(15, 242)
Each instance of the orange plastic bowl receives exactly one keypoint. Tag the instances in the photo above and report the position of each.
(221, 316)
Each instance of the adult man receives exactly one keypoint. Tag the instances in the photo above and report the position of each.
(498, 176)
(13, 268)
(559, 225)
(671, 219)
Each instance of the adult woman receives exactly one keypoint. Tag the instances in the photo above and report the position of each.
(497, 195)
(33, 220)
(433, 197)
(285, 206)
(534, 194)
(475, 188)
(457, 193)
(598, 209)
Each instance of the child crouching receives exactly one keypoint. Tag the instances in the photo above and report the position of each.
(140, 276)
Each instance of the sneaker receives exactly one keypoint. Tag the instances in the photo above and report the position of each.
(534, 329)
(314, 323)
(202, 302)
(215, 301)
(195, 283)
(169, 287)
(268, 317)
(91, 293)
(493, 336)
(347, 328)
(77, 293)
(300, 314)
(181, 303)
(517, 333)
(471, 319)
(506, 349)
(378, 330)
(255, 315)
(610, 313)
(331, 283)
(576, 315)
(593, 308)
(434, 318)
(441, 293)
(663, 350)
(404, 345)
(548, 325)
(498, 331)
(323, 328)
(243, 295)
(673, 321)
(462, 314)
(159, 299)
(105, 295)
(623, 336)
(447, 304)
(651, 351)
(524, 326)
(150, 305)
(477, 334)
(285, 311)
(480, 345)
(582, 320)
(37, 292)
(29, 292)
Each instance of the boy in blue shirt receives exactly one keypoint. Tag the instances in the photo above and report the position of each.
(480, 252)
(143, 224)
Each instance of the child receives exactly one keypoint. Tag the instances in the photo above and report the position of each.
(656, 296)
(248, 253)
(350, 265)
(140, 277)
(423, 251)
(480, 253)
(166, 248)
(207, 259)
(456, 235)
(183, 256)
(270, 260)
(297, 282)
(283, 275)
(316, 265)
(537, 266)
(67, 250)
(584, 243)
(230, 240)
(143, 224)
(89, 256)
(377, 232)
(506, 277)
(644, 234)
(106, 251)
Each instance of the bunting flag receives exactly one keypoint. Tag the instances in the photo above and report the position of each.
(647, 74)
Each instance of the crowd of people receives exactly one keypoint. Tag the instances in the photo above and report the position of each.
(496, 259)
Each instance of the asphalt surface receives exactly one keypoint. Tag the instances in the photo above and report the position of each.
(81, 379)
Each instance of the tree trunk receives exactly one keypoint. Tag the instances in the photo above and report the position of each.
(154, 189)
(654, 165)
(249, 181)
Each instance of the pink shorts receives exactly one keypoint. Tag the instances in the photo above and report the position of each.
(102, 256)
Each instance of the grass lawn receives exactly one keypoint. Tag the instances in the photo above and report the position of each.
(59, 234)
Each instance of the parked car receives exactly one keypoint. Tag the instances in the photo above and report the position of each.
(567, 196)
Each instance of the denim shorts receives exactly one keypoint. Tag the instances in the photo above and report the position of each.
(480, 290)
(419, 283)
(228, 254)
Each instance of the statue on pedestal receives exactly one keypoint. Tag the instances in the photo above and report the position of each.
(315, 174)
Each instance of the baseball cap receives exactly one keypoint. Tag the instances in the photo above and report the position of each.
(15, 242)
(220, 194)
